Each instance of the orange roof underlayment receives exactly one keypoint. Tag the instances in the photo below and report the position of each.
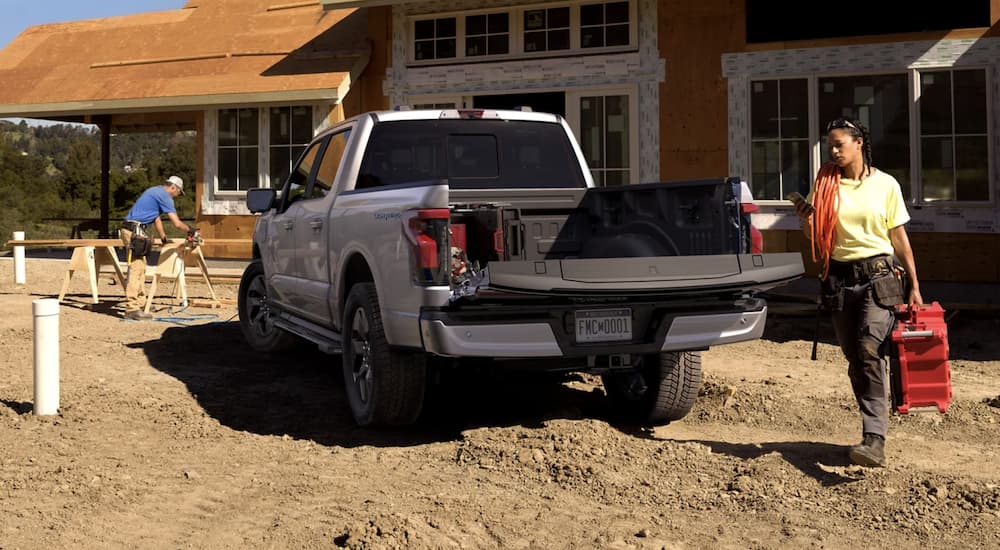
(211, 52)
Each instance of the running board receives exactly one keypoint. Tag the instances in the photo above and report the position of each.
(327, 340)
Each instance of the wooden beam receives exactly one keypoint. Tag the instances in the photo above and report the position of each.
(66, 242)
(109, 242)
(104, 123)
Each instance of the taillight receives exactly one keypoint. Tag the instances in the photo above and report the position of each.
(427, 232)
(756, 241)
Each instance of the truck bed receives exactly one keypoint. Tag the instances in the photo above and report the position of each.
(659, 238)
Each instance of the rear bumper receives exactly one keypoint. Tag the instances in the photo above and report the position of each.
(547, 335)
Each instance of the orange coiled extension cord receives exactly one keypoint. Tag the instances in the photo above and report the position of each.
(826, 199)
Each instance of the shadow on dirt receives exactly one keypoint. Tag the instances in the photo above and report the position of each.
(786, 328)
(19, 407)
(809, 457)
(111, 308)
(969, 332)
(301, 393)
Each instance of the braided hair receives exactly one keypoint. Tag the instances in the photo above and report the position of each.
(826, 194)
(857, 130)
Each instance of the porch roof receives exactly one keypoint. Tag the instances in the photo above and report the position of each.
(209, 53)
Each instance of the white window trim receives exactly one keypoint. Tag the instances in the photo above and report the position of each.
(818, 147)
(887, 57)
(916, 132)
(218, 202)
(516, 31)
(573, 119)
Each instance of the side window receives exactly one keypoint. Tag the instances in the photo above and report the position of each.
(295, 187)
(291, 130)
(332, 158)
(393, 159)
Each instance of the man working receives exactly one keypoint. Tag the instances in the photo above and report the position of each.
(135, 235)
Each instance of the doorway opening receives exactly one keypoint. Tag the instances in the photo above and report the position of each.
(544, 102)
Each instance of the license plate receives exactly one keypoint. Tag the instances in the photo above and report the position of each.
(603, 325)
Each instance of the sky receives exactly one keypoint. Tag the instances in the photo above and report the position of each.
(18, 15)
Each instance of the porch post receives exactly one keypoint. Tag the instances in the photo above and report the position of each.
(104, 124)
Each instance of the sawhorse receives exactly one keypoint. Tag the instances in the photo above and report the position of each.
(91, 259)
(174, 257)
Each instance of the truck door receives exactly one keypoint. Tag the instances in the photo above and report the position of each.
(312, 233)
(290, 213)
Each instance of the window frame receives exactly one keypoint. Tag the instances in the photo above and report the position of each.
(573, 98)
(283, 190)
(811, 112)
(263, 145)
(238, 148)
(516, 34)
(818, 146)
(919, 135)
(572, 117)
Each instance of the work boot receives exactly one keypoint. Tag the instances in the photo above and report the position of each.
(137, 315)
(870, 452)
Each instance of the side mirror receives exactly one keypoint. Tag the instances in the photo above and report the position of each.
(260, 199)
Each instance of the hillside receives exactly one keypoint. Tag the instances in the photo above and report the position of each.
(53, 172)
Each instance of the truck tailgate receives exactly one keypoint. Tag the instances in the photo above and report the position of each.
(667, 274)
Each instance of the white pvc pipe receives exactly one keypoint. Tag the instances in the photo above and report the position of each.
(46, 324)
(19, 259)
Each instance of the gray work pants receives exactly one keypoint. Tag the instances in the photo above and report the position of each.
(862, 327)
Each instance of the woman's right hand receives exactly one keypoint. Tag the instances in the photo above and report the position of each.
(805, 215)
(804, 210)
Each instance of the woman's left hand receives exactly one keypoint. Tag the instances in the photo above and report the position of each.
(915, 298)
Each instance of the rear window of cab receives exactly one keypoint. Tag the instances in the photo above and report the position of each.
(470, 154)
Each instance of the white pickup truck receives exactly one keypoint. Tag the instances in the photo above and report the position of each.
(413, 238)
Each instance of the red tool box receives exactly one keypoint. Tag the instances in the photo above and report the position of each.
(919, 370)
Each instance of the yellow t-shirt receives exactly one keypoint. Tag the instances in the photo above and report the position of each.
(869, 208)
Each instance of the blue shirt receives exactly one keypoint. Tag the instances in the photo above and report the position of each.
(153, 202)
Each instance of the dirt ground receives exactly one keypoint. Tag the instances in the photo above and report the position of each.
(171, 434)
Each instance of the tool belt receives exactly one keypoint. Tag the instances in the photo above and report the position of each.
(886, 280)
(134, 226)
(860, 272)
(140, 244)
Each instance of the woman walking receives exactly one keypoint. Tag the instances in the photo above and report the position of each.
(856, 225)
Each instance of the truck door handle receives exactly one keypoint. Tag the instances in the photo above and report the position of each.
(316, 224)
(288, 225)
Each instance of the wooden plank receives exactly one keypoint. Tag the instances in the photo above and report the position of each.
(217, 303)
(114, 242)
(66, 242)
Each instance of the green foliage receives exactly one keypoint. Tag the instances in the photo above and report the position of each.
(54, 172)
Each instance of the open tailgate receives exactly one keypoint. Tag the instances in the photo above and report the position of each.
(653, 275)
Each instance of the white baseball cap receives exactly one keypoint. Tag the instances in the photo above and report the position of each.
(174, 180)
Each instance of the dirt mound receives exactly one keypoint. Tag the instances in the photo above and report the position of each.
(171, 434)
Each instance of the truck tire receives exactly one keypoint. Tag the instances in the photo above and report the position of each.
(385, 387)
(663, 389)
(256, 317)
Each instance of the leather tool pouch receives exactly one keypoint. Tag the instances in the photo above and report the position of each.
(141, 245)
(832, 293)
(887, 290)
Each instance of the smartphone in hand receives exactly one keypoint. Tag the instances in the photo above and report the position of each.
(798, 199)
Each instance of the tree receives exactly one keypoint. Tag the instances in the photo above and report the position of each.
(54, 172)
(83, 172)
